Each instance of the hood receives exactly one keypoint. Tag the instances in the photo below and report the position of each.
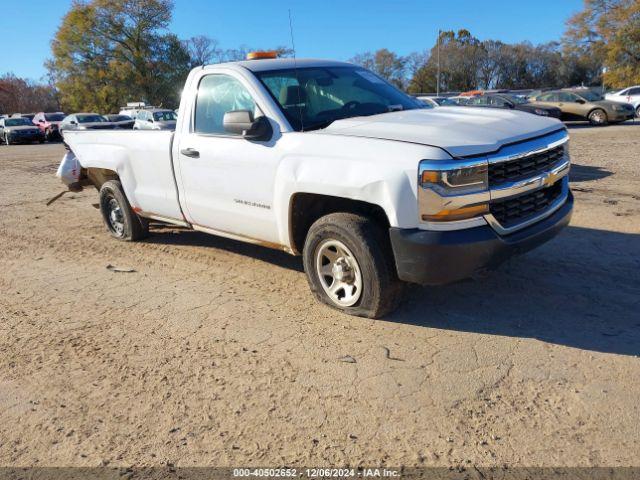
(461, 131)
(170, 124)
(22, 128)
(611, 103)
(97, 125)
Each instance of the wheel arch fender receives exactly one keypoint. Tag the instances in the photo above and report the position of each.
(306, 187)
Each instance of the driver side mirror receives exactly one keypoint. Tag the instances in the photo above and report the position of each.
(73, 122)
(580, 101)
(241, 122)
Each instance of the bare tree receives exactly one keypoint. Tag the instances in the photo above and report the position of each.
(203, 50)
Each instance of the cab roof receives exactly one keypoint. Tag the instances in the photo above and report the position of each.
(265, 65)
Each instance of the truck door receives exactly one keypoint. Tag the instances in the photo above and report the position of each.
(227, 180)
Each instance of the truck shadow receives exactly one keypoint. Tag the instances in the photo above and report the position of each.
(170, 235)
(585, 173)
(581, 290)
(578, 125)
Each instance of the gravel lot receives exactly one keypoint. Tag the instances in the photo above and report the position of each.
(214, 353)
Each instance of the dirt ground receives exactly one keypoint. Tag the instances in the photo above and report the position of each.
(214, 352)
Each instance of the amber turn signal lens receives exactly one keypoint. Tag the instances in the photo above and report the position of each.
(430, 176)
(458, 214)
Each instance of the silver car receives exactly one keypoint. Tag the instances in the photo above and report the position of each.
(85, 121)
(156, 119)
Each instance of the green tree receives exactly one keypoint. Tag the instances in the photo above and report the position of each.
(107, 52)
(606, 33)
(460, 55)
(385, 63)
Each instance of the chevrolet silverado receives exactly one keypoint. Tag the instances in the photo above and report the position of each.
(327, 160)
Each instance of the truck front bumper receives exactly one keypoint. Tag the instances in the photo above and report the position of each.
(436, 258)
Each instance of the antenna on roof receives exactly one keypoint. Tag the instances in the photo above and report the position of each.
(295, 67)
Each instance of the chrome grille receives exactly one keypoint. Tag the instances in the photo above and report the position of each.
(525, 167)
(512, 211)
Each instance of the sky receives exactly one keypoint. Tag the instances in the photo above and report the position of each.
(322, 28)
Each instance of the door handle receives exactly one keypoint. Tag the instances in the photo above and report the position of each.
(190, 152)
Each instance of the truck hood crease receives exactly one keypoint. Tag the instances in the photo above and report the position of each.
(460, 131)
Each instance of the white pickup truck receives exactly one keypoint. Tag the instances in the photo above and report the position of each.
(327, 160)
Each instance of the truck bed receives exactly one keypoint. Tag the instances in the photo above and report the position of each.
(142, 159)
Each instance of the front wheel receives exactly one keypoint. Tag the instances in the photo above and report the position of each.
(598, 117)
(120, 219)
(638, 112)
(349, 265)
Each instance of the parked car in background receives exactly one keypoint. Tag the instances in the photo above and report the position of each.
(585, 104)
(628, 95)
(24, 115)
(512, 102)
(156, 119)
(85, 121)
(133, 108)
(121, 121)
(19, 130)
(49, 124)
(438, 101)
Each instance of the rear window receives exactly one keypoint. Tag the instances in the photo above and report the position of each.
(54, 117)
(167, 116)
(90, 118)
(17, 122)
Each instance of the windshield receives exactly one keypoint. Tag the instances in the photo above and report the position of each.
(168, 116)
(589, 96)
(90, 118)
(515, 99)
(119, 118)
(54, 117)
(313, 98)
(17, 122)
(445, 102)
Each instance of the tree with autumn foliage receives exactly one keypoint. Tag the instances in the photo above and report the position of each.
(108, 52)
(607, 33)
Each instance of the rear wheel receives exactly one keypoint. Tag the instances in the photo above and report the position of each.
(598, 117)
(349, 265)
(120, 219)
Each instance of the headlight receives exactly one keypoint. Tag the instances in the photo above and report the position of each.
(539, 111)
(452, 190)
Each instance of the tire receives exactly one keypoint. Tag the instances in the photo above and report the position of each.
(355, 252)
(638, 111)
(119, 218)
(6, 139)
(598, 117)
